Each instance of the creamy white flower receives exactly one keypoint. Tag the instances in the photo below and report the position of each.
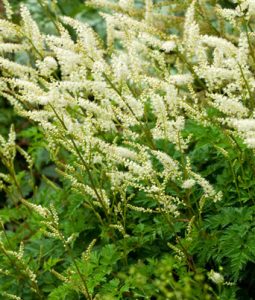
(120, 67)
(168, 46)
(47, 66)
(244, 125)
(216, 277)
(126, 4)
(251, 7)
(232, 107)
(170, 165)
(181, 79)
(191, 31)
(220, 43)
(189, 183)
(124, 152)
(31, 30)
(8, 9)
(250, 142)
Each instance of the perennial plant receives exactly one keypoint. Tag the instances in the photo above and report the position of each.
(137, 173)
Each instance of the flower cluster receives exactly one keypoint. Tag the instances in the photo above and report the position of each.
(79, 91)
(123, 119)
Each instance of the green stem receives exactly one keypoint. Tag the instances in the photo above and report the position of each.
(84, 164)
(32, 284)
(78, 271)
(145, 129)
(235, 180)
(49, 14)
(187, 256)
(191, 69)
(247, 86)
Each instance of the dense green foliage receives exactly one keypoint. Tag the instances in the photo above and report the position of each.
(206, 252)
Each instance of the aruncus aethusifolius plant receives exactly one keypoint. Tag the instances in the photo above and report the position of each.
(123, 120)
